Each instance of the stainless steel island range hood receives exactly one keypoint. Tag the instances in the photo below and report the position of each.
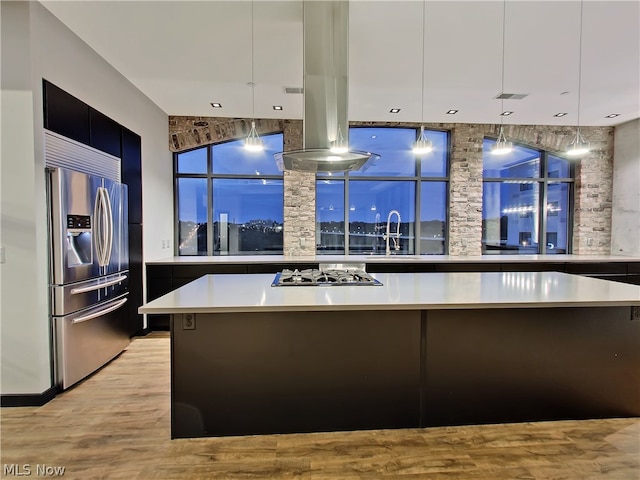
(326, 84)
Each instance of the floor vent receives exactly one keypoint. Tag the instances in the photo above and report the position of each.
(293, 90)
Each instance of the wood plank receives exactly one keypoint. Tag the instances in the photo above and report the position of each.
(116, 425)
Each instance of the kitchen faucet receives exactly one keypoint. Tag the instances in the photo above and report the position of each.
(396, 234)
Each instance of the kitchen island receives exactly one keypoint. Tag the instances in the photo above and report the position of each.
(423, 349)
(167, 274)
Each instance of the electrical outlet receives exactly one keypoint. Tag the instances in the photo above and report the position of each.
(2, 257)
(188, 321)
(635, 314)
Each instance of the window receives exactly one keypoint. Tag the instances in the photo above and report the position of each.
(406, 192)
(515, 189)
(229, 201)
(330, 216)
(192, 215)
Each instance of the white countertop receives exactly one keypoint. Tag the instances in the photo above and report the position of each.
(401, 291)
(240, 259)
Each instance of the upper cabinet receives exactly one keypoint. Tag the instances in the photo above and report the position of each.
(71, 117)
(105, 133)
(65, 114)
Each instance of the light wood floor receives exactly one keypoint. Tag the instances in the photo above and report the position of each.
(115, 425)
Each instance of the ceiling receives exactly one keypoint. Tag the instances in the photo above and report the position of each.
(184, 55)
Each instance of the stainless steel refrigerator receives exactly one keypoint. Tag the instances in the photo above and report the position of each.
(89, 262)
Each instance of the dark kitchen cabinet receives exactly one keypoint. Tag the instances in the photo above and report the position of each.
(65, 114)
(159, 282)
(283, 372)
(633, 273)
(105, 133)
(597, 268)
(467, 267)
(135, 279)
(131, 156)
(399, 267)
(529, 364)
(130, 152)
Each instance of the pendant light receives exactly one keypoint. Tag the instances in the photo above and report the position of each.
(253, 142)
(502, 146)
(339, 145)
(578, 145)
(423, 145)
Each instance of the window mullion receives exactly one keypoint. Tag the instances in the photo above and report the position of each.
(346, 213)
(210, 219)
(176, 215)
(542, 217)
(417, 244)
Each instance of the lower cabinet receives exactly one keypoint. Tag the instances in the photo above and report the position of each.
(287, 372)
(282, 372)
(518, 365)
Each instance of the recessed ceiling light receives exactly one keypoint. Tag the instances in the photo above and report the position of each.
(394, 110)
(277, 107)
(216, 105)
(452, 112)
(612, 115)
(506, 113)
(562, 114)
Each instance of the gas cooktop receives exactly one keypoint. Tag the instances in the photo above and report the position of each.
(328, 275)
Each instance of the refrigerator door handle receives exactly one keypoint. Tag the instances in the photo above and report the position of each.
(98, 225)
(76, 291)
(104, 222)
(109, 222)
(105, 227)
(101, 312)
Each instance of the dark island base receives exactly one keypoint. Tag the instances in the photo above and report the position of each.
(285, 372)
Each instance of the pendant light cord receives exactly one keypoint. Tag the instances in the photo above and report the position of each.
(580, 63)
(253, 85)
(423, 41)
(504, 28)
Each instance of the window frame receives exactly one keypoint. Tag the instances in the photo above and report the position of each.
(416, 179)
(543, 180)
(210, 176)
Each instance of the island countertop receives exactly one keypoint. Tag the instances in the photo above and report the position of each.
(400, 291)
(486, 259)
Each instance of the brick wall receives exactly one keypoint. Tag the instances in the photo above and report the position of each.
(593, 187)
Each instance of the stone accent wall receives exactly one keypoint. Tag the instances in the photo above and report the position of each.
(186, 133)
(594, 193)
(593, 187)
(299, 200)
(465, 190)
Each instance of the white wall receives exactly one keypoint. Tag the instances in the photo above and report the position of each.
(24, 308)
(625, 220)
(38, 46)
